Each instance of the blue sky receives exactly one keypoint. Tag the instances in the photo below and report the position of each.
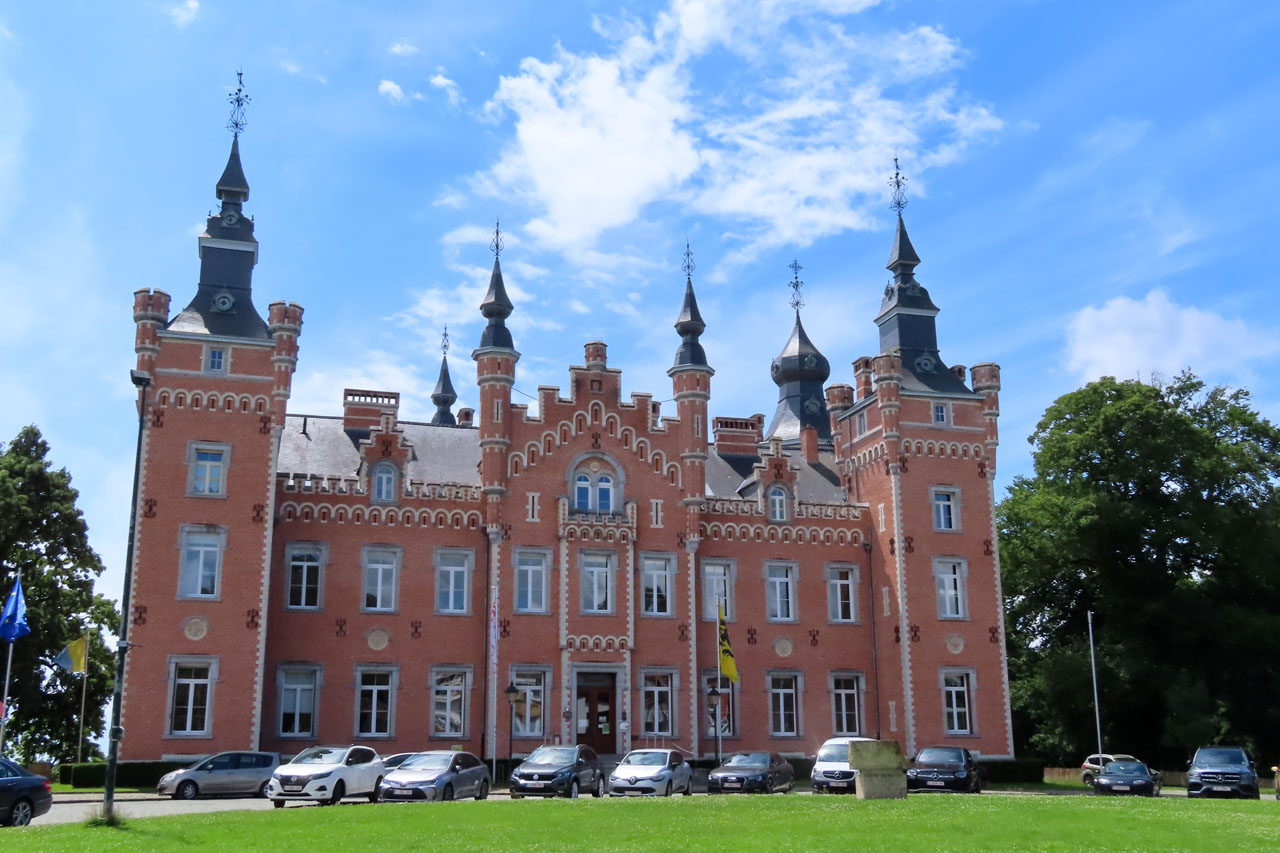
(1092, 186)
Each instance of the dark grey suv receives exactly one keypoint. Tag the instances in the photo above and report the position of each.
(1222, 771)
(558, 771)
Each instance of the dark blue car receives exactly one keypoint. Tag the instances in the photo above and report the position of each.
(23, 795)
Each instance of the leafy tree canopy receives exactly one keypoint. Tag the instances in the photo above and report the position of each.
(1155, 506)
(44, 535)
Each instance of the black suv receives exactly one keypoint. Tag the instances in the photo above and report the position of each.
(1222, 771)
(558, 771)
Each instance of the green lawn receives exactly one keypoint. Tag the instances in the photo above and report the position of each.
(703, 823)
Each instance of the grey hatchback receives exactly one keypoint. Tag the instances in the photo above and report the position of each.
(225, 773)
(440, 774)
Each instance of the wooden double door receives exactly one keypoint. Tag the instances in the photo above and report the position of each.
(597, 711)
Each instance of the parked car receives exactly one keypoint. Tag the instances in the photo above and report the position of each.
(653, 772)
(831, 772)
(23, 794)
(945, 768)
(244, 773)
(556, 771)
(440, 774)
(1092, 766)
(748, 772)
(391, 762)
(326, 774)
(1222, 771)
(1127, 777)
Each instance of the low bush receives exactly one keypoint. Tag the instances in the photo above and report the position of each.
(1028, 770)
(129, 774)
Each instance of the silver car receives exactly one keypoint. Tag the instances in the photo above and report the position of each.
(653, 772)
(244, 773)
(442, 774)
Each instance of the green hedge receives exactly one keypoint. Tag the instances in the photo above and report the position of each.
(129, 774)
(1018, 770)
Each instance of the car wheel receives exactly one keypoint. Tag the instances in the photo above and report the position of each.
(573, 789)
(262, 790)
(483, 793)
(516, 796)
(768, 784)
(1087, 778)
(688, 788)
(599, 792)
(188, 791)
(278, 803)
(667, 792)
(373, 794)
(21, 813)
(339, 791)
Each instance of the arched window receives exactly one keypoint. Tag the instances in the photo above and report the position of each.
(582, 493)
(604, 493)
(384, 483)
(777, 504)
(596, 484)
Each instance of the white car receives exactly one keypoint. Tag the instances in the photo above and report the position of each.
(656, 772)
(831, 771)
(327, 774)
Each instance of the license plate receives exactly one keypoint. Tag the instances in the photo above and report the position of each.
(292, 789)
(733, 784)
(1221, 788)
(839, 784)
(635, 793)
(937, 783)
(401, 792)
(1120, 787)
(535, 784)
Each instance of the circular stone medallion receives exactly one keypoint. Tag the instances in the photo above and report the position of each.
(196, 627)
(955, 644)
(378, 639)
(783, 646)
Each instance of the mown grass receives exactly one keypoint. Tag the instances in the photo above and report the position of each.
(703, 823)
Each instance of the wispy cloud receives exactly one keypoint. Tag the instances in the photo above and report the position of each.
(184, 13)
(290, 67)
(449, 87)
(403, 48)
(393, 92)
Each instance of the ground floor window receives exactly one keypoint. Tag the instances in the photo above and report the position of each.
(957, 702)
(374, 702)
(725, 708)
(659, 703)
(530, 699)
(191, 697)
(298, 701)
(784, 705)
(846, 703)
(449, 703)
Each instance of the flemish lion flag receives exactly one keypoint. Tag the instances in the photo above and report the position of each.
(72, 658)
(728, 663)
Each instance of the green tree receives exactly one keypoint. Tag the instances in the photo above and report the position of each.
(1154, 505)
(44, 535)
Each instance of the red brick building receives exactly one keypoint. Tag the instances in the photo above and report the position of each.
(504, 577)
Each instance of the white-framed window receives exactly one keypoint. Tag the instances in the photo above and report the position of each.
(658, 716)
(305, 566)
(950, 575)
(946, 508)
(655, 512)
(375, 700)
(215, 360)
(200, 572)
(941, 414)
(842, 593)
(531, 581)
(191, 681)
(784, 704)
(726, 712)
(780, 592)
(384, 482)
(604, 493)
(880, 514)
(530, 701)
(657, 583)
(861, 421)
(207, 466)
(596, 487)
(531, 507)
(582, 492)
(381, 578)
(449, 689)
(298, 691)
(717, 589)
(847, 689)
(957, 701)
(453, 581)
(597, 583)
(777, 496)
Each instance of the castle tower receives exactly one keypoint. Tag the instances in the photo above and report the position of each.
(220, 379)
(801, 419)
(444, 396)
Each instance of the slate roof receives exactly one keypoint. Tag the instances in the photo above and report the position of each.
(441, 454)
(732, 475)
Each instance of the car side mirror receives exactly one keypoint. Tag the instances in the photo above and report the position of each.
(1188, 762)
(581, 761)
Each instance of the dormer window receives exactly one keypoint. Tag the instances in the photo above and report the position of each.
(596, 486)
(941, 414)
(384, 483)
(777, 504)
(215, 360)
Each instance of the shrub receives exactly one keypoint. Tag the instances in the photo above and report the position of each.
(1018, 770)
(129, 774)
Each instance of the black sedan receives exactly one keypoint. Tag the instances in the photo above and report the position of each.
(752, 772)
(558, 771)
(1127, 777)
(23, 795)
(945, 768)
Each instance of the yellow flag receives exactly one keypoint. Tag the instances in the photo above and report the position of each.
(72, 658)
(728, 663)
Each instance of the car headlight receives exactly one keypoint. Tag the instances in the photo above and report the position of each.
(913, 772)
(962, 774)
(1194, 775)
(756, 777)
(1103, 782)
(324, 775)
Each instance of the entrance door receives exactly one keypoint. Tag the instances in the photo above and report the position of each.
(597, 712)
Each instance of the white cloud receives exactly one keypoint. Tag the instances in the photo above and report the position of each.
(450, 197)
(317, 388)
(290, 67)
(184, 13)
(449, 87)
(577, 307)
(392, 91)
(403, 48)
(1126, 337)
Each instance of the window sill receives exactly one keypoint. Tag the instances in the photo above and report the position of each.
(953, 619)
(597, 613)
(304, 736)
(658, 616)
(291, 609)
(452, 613)
(181, 597)
(542, 612)
(379, 611)
(219, 496)
(844, 621)
(189, 736)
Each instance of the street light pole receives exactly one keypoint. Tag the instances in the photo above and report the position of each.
(141, 381)
(1093, 665)
(511, 693)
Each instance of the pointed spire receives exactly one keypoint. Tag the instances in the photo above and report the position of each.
(233, 186)
(496, 306)
(689, 325)
(799, 371)
(903, 258)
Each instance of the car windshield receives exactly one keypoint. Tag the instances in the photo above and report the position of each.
(748, 759)
(1126, 768)
(1221, 756)
(319, 755)
(834, 752)
(646, 759)
(427, 761)
(936, 755)
(552, 755)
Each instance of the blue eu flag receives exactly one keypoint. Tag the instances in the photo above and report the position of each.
(13, 623)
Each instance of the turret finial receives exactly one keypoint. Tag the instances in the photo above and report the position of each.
(495, 245)
(444, 342)
(899, 184)
(238, 100)
(688, 266)
(797, 301)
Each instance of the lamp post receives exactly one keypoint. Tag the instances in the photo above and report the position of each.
(511, 693)
(713, 699)
(141, 381)
(1093, 665)
(871, 602)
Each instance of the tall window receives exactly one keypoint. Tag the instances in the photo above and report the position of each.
(374, 702)
(956, 702)
(449, 703)
(658, 580)
(529, 701)
(945, 506)
(582, 493)
(717, 590)
(452, 573)
(597, 583)
(201, 567)
(658, 703)
(304, 578)
(780, 592)
(380, 569)
(298, 702)
(531, 509)
(846, 703)
(655, 512)
(384, 483)
(604, 493)
(842, 593)
(861, 422)
(531, 582)
(728, 705)
(207, 477)
(596, 487)
(949, 576)
(191, 686)
(784, 705)
(777, 504)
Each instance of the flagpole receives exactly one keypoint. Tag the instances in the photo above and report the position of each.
(719, 681)
(8, 669)
(84, 689)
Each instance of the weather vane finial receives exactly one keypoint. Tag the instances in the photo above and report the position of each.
(797, 302)
(899, 184)
(688, 266)
(444, 342)
(238, 100)
(495, 245)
